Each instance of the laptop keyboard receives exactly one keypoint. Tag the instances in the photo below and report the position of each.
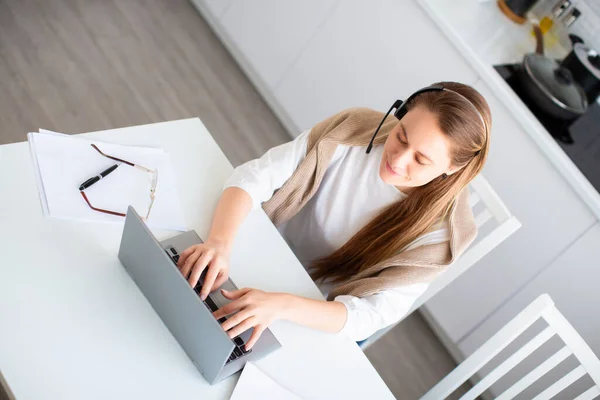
(173, 254)
(238, 350)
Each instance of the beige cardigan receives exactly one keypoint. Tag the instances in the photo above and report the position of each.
(354, 127)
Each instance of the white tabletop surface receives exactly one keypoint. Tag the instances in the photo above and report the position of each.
(73, 325)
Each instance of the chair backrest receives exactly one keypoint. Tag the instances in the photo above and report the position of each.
(543, 307)
(495, 224)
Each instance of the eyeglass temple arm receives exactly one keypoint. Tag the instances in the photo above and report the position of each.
(121, 160)
(100, 209)
(111, 157)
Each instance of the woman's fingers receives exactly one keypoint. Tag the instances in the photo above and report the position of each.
(235, 319)
(199, 266)
(241, 327)
(189, 263)
(235, 294)
(228, 309)
(209, 280)
(185, 254)
(258, 330)
(221, 279)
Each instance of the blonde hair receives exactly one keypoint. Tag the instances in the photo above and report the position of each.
(465, 118)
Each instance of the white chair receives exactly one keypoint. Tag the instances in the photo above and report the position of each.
(542, 307)
(495, 223)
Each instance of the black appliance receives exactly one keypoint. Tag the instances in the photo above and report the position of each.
(579, 138)
(584, 64)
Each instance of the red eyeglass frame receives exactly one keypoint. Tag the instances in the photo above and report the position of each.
(152, 187)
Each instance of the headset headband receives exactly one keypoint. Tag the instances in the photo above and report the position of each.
(401, 110)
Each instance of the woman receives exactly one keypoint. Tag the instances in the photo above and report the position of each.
(373, 228)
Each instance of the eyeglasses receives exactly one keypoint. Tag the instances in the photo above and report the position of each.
(91, 181)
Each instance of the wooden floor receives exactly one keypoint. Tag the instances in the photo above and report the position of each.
(82, 65)
(411, 359)
(77, 66)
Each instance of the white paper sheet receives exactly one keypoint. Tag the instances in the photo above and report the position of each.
(38, 178)
(256, 385)
(63, 162)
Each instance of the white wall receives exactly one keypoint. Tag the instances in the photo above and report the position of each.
(313, 58)
(273, 33)
(362, 56)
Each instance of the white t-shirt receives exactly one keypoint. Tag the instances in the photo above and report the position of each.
(350, 195)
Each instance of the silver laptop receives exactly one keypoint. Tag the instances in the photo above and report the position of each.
(152, 265)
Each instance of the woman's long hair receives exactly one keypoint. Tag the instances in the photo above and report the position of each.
(399, 224)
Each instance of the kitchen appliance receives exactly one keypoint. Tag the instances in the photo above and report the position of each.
(548, 12)
(550, 85)
(571, 16)
(516, 9)
(584, 64)
(579, 138)
(559, 8)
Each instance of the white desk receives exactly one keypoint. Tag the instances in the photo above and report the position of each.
(73, 325)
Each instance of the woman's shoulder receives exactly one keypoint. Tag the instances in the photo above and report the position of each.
(356, 115)
(347, 125)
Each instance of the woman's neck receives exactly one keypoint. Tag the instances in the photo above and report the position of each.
(404, 189)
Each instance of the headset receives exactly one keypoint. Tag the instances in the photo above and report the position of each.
(401, 110)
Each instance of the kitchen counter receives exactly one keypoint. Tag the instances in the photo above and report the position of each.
(485, 37)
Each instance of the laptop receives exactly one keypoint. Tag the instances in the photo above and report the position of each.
(153, 267)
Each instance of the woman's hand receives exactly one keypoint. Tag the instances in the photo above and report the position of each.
(195, 259)
(252, 308)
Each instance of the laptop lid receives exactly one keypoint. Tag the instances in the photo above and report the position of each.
(173, 299)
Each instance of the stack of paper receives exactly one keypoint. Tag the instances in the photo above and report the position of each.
(62, 163)
(256, 385)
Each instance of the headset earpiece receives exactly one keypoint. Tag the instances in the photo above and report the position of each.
(401, 110)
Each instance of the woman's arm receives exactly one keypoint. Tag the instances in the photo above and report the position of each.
(252, 308)
(367, 315)
(328, 316)
(261, 177)
(358, 318)
(250, 185)
(233, 207)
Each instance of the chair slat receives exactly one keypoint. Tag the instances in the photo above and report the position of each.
(490, 198)
(589, 394)
(536, 374)
(474, 198)
(543, 307)
(489, 349)
(483, 217)
(578, 346)
(509, 363)
(561, 384)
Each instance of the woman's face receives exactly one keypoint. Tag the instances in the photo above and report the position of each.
(416, 151)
